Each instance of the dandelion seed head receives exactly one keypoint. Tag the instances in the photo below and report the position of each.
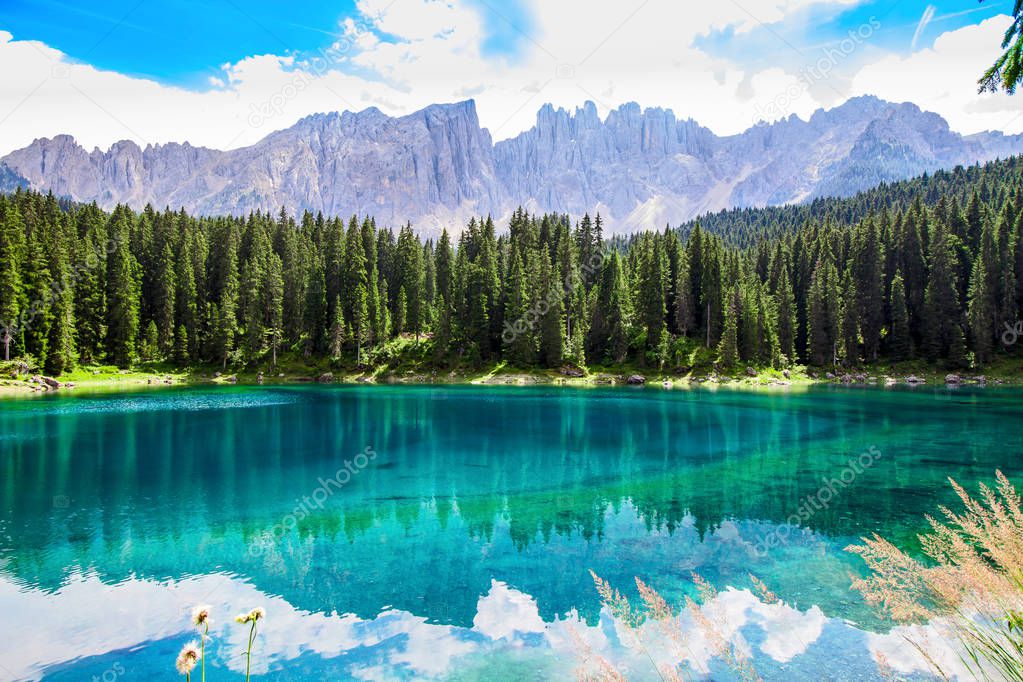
(200, 615)
(187, 659)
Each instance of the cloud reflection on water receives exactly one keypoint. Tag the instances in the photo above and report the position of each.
(90, 618)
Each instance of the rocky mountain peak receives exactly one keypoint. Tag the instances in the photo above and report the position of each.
(438, 166)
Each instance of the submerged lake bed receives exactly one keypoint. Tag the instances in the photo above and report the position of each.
(411, 532)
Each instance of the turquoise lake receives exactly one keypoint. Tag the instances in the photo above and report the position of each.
(417, 532)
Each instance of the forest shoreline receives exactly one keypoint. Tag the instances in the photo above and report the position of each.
(89, 380)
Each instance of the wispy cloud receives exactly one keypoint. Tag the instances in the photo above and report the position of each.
(924, 20)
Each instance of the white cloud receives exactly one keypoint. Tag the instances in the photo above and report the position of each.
(574, 50)
(943, 79)
(91, 618)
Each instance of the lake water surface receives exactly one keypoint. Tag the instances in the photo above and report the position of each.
(448, 532)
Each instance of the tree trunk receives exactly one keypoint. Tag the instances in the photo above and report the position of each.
(707, 320)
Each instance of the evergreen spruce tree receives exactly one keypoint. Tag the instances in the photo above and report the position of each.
(685, 304)
(337, 329)
(981, 313)
(650, 296)
(868, 282)
(89, 264)
(941, 328)
(552, 333)
(224, 312)
(823, 315)
(850, 324)
(123, 292)
(728, 347)
(899, 339)
(609, 333)
(12, 294)
(39, 278)
(181, 347)
(519, 334)
(401, 307)
(186, 294)
(411, 277)
(360, 321)
(786, 306)
(62, 352)
(315, 309)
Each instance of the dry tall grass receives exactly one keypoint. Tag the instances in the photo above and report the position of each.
(656, 629)
(973, 590)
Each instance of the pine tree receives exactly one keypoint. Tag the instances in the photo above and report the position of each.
(123, 292)
(914, 272)
(728, 347)
(552, 333)
(711, 292)
(850, 329)
(444, 263)
(609, 332)
(273, 300)
(519, 335)
(650, 295)
(164, 283)
(685, 304)
(941, 328)
(39, 278)
(823, 315)
(186, 293)
(149, 344)
(12, 294)
(401, 307)
(786, 307)
(89, 262)
(337, 329)
(315, 310)
(181, 347)
(981, 313)
(224, 312)
(62, 352)
(411, 278)
(899, 339)
(360, 321)
(255, 271)
(868, 283)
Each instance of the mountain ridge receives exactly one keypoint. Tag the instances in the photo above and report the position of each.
(437, 166)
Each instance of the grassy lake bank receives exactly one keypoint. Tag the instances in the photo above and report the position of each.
(404, 369)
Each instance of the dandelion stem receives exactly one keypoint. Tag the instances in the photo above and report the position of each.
(202, 651)
(248, 651)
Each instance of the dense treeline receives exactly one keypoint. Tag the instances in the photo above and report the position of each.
(930, 272)
(745, 226)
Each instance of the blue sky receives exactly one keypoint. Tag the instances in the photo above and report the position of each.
(801, 36)
(183, 42)
(224, 73)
